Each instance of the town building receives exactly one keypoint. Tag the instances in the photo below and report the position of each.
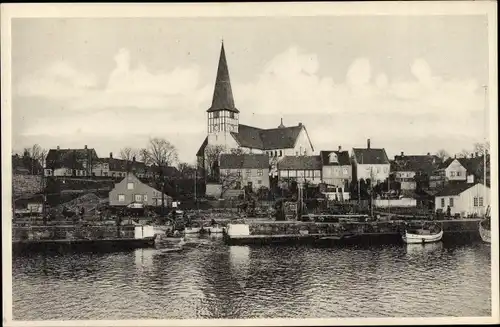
(410, 170)
(226, 131)
(113, 167)
(302, 169)
(464, 199)
(131, 190)
(240, 170)
(70, 162)
(336, 168)
(462, 169)
(370, 163)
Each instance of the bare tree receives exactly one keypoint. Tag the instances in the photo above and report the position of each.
(229, 180)
(212, 154)
(186, 170)
(144, 156)
(35, 154)
(237, 151)
(464, 153)
(442, 154)
(162, 153)
(128, 153)
(482, 147)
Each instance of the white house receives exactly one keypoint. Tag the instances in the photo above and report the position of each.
(370, 164)
(466, 199)
(454, 170)
(225, 130)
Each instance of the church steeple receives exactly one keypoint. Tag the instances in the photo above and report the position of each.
(223, 94)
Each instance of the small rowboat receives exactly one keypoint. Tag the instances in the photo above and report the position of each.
(423, 235)
(215, 229)
(192, 230)
(485, 230)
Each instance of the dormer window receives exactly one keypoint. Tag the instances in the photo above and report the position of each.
(332, 158)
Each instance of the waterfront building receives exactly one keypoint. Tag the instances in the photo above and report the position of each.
(464, 199)
(410, 170)
(336, 168)
(131, 190)
(70, 162)
(240, 170)
(370, 163)
(227, 133)
(302, 169)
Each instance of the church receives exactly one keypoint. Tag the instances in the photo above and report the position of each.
(227, 134)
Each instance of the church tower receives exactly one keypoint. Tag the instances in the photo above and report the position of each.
(222, 116)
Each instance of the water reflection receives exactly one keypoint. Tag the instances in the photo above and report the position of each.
(211, 280)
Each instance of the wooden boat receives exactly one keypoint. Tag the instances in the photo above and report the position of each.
(423, 235)
(192, 230)
(485, 230)
(215, 229)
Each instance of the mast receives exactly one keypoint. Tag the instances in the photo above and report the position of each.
(484, 146)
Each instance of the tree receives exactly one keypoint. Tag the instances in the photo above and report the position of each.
(144, 156)
(482, 147)
(229, 179)
(464, 153)
(442, 154)
(212, 154)
(237, 151)
(128, 153)
(162, 154)
(33, 156)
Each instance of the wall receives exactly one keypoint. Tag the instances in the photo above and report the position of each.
(253, 177)
(26, 184)
(337, 175)
(302, 144)
(214, 190)
(380, 172)
(405, 202)
(456, 172)
(153, 196)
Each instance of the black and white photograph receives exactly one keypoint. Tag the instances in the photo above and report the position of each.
(250, 164)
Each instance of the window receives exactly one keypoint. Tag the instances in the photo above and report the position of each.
(317, 173)
(442, 203)
(332, 158)
(130, 186)
(451, 202)
(481, 201)
(121, 198)
(216, 114)
(300, 173)
(138, 198)
(476, 202)
(259, 181)
(292, 173)
(145, 198)
(308, 173)
(260, 172)
(105, 174)
(281, 153)
(452, 174)
(346, 171)
(386, 169)
(458, 173)
(238, 173)
(336, 171)
(249, 172)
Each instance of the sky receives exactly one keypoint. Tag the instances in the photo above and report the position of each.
(410, 84)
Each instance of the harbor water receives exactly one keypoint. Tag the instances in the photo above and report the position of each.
(209, 279)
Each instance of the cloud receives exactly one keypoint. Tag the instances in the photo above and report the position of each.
(135, 101)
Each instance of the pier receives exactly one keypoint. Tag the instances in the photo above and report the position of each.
(258, 231)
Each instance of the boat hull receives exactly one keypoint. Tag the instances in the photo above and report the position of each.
(192, 230)
(417, 238)
(484, 233)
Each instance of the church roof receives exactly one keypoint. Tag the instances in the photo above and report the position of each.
(267, 139)
(223, 94)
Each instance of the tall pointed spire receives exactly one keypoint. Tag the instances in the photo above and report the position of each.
(223, 94)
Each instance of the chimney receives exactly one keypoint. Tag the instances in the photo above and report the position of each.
(402, 154)
(455, 156)
(477, 154)
(368, 143)
(472, 155)
(428, 153)
(300, 124)
(111, 155)
(133, 159)
(340, 148)
(58, 147)
(85, 147)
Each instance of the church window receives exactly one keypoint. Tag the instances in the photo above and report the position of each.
(216, 114)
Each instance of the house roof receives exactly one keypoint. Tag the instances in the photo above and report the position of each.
(223, 94)
(268, 139)
(455, 188)
(300, 163)
(201, 150)
(168, 171)
(472, 165)
(124, 165)
(415, 163)
(69, 158)
(370, 156)
(244, 161)
(342, 156)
